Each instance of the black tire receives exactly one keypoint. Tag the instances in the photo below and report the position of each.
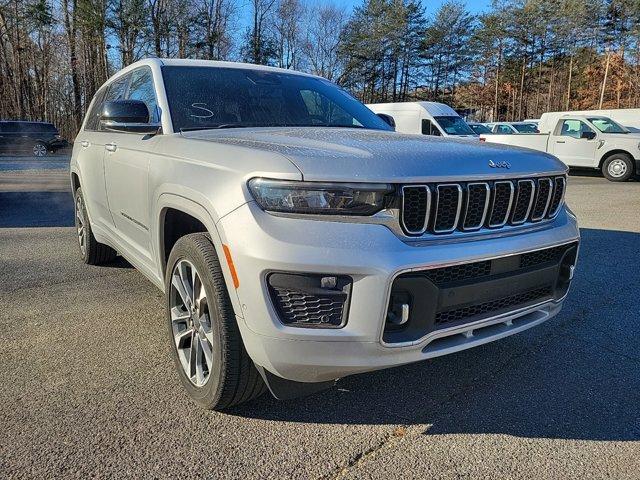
(233, 378)
(618, 167)
(94, 252)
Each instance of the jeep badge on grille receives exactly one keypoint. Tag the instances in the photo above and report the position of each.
(493, 164)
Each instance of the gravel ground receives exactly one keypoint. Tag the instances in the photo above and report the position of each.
(88, 387)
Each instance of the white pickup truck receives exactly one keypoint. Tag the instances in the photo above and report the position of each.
(584, 141)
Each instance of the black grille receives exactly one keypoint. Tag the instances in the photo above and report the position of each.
(501, 203)
(415, 205)
(466, 313)
(477, 196)
(446, 296)
(310, 300)
(542, 199)
(523, 201)
(466, 206)
(558, 193)
(447, 208)
(441, 276)
(542, 256)
(301, 308)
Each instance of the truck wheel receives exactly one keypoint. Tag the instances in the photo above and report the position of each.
(207, 349)
(40, 150)
(618, 167)
(92, 251)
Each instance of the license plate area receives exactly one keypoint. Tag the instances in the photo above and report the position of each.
(451, 296)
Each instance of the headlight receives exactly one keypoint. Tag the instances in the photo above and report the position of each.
(319, 198)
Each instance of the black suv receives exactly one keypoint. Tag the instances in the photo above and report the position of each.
(38, 138)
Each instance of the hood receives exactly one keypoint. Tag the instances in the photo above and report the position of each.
(348, 154)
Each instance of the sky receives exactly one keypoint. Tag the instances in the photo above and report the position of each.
(474, 6)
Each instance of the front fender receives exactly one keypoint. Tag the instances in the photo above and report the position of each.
(195, 204)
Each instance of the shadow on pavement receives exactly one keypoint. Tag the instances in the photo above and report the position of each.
(575, 377)
(36, 209)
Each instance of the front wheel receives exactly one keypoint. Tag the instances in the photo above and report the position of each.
(207, 349)
(618, 167)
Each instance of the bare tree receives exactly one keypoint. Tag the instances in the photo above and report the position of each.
(320, 48)
(288, 26)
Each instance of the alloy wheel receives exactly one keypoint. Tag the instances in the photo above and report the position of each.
(80, 225)
(39, 150)
(191, 323)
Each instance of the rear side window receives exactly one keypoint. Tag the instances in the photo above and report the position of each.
(141, 88)
(504, 130)
(93, 116)
(39, 128)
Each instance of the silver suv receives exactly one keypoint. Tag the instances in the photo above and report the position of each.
(299, 239)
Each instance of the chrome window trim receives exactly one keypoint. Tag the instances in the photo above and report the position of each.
(506, 217)
(426, 215)
(549, 196)
(459, 209)
(486, 207)
(531, 199)
(564, 190)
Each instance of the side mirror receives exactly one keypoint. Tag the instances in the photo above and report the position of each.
(588, 135)
(127, 116)
(388, 119)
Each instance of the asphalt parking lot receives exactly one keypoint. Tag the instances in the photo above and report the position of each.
(89, 388)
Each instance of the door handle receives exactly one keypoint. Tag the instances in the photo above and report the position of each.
(112, 147)
(560, 141)
(84, 144)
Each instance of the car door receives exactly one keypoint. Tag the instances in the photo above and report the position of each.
(4, 141)
(126, 164)
(569, 145)
(89, 148)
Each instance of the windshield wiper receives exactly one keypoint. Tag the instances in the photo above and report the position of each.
(213, 127)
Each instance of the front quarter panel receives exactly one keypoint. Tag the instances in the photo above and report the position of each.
(206, 181)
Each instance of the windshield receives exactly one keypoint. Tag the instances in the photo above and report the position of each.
(525, 127)
(238, 97)
(480, 129)
(454, 125)
(606, 125)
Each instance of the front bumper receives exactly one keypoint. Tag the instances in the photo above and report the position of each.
(372, 256)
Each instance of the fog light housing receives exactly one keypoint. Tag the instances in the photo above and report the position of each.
(310, 300)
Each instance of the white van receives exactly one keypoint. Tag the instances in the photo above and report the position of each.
(427, 118)
(627, 117)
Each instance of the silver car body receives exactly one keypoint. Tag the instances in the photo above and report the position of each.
(130, 184)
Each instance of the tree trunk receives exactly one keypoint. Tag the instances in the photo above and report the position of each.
(604, 81)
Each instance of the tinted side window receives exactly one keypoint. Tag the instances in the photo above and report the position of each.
(429, 128)
(504, 130)
(93, 116)
(118, 89)
(142, 88)
(10, 127)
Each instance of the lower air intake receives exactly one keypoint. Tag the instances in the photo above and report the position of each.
(311, 301)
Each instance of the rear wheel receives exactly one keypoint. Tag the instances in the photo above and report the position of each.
(92, 251)
(208, 352)
(40, 149)
(618, 167)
